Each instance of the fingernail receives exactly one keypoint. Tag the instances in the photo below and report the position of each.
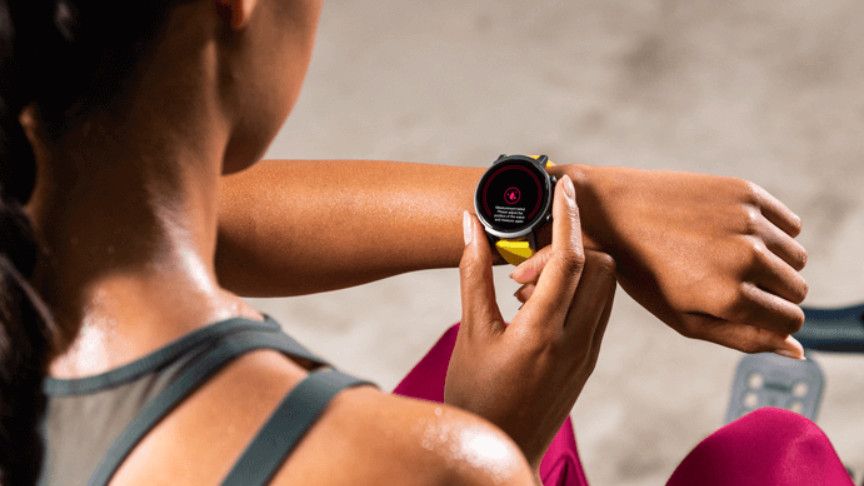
(569, 190)
(793, 349)
(790, 354)
(467, 228)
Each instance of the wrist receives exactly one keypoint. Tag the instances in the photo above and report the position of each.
(587, 199)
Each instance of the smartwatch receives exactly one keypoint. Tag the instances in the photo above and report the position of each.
(513, 199)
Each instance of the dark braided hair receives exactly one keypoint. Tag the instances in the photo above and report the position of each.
(26, 332)
(65, 59)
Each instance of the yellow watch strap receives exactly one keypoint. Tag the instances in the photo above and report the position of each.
(515, 252)
(549, 163)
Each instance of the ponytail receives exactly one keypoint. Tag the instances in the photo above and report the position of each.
(25, 327)
(91, 47)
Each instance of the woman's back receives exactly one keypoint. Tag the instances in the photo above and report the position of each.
(364, 437)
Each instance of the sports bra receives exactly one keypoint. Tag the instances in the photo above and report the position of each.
(92, 424)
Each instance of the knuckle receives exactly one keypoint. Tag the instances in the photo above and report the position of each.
(758, 250)
(789, 322)
(751, 192)
(573, 260)
(799, 293)
(600, 263)
(753, 251)
(688, 329)
(469, 268)
(523, 293)
(795, 226)
(796, 321)
(590, 363)
(539, 343)
(733, 303)
(794, 222)
(800, 257)
(750, 219)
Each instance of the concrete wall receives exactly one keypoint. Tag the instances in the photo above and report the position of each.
(769, 90)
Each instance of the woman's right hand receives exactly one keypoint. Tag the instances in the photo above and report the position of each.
(525, 376)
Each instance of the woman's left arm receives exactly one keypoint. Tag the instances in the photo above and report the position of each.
(713, 257)
(299, 227)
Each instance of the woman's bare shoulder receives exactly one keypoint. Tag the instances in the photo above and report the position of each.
(370, 437)
(365, 436)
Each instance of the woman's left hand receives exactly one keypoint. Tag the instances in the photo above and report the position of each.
(713, 257)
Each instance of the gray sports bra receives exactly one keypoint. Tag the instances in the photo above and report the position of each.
(92, 424)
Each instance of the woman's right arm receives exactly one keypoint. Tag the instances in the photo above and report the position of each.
(525, 376)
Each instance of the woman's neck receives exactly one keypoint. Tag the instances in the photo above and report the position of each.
(127, 217)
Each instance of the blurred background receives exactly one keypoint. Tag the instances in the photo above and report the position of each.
(768, 90)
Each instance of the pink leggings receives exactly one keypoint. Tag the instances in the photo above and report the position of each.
(767, 447)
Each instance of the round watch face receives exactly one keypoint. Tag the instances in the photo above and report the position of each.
(513, 196)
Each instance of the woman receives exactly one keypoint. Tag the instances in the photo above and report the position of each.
(129, 156)
(132, 114)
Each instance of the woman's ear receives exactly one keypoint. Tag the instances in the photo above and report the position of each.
(236, 12)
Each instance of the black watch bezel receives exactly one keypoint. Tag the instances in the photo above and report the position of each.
(543, 215)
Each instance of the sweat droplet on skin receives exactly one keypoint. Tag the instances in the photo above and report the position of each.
(473, 446)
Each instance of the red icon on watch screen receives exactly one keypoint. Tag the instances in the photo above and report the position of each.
(512, 195)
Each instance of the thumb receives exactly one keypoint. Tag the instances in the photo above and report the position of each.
(479, 309)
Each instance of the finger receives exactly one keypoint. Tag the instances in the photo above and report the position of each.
(776, 211)
(597, 339)
(479, 309)
(762, 309)
(777, 277)
(595, 291)
(781, 244)
(791, 348)
(743, 337)
(557, 283)
(529, 270)
(524, 292)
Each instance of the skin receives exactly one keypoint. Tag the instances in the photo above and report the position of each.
(712, 257)
(550, 347)
(126, 209)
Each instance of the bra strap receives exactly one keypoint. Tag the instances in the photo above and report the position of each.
(160, 358)
(285, 428)
(196, 374)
